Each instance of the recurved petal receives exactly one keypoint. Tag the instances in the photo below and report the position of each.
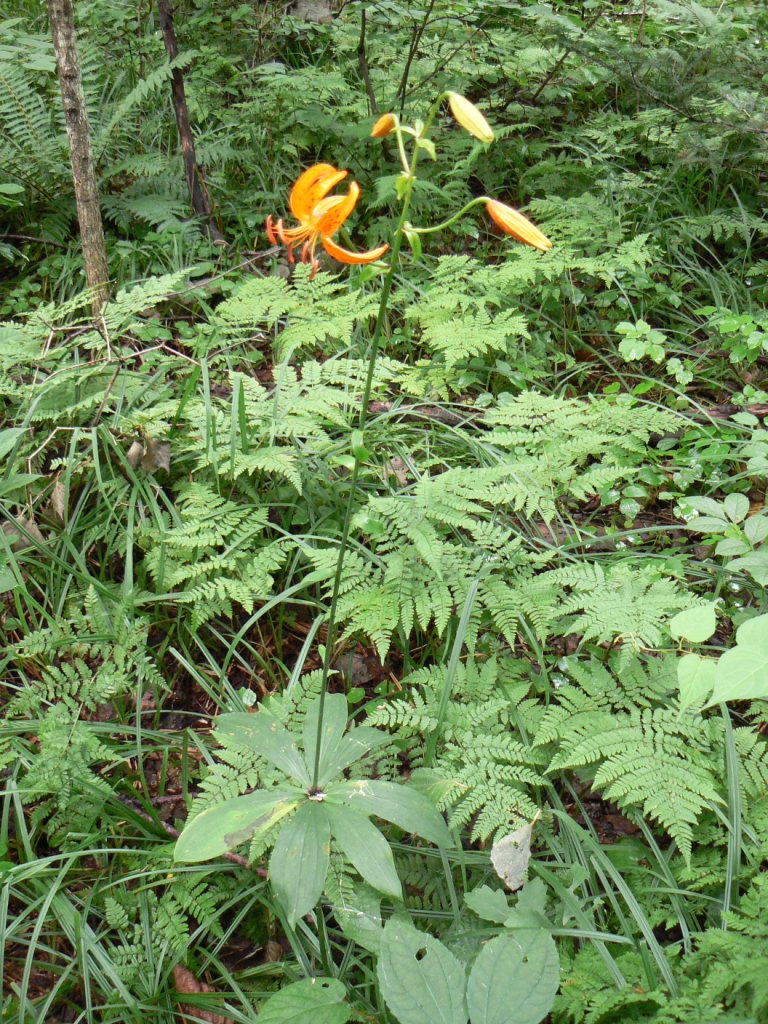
(329, 214)
(515, 224)
(345, 256)
(312, 186)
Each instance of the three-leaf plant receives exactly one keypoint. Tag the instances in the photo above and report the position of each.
(318, 803)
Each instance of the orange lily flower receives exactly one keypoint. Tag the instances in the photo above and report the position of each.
(320, 216)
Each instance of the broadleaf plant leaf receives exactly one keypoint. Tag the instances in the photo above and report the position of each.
(359, 916)
(268, 737)
(514, 979)
(694, 624)
(320, 1000)
(354, 745)
(695, 679)
(489, 904)
(331, 733)
(736, 507)
(754, 631)
(404, 807)
(741, 674)
(219, 829)
(422, 982)
(299, 862)
(365, 848)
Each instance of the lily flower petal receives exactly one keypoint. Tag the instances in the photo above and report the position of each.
(330, 214)
(312, 186)
(319, 217)
(514, 223)
(345, 256)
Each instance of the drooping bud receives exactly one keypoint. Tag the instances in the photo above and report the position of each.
(514, 223)
(469, 117)
(383, 126)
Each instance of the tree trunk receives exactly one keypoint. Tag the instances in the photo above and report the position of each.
(198, 193)
(62, 21)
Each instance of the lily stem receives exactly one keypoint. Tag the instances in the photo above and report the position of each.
(451, 220)
(373, 351)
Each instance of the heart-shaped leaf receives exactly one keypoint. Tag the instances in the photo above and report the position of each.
(694, 624)
(741, 674)
(320, 1000)
(514, 979)
(696, 679)
(422, 982)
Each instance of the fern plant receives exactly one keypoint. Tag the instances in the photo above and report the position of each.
(260, 303)
(622, 730)
(485, 775)
(216, 557)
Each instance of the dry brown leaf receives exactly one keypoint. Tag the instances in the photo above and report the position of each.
(20, 540)
(187, 984)
(273, 952)
(150, 456)
(157, 455)
(135, 453)
(317, 11)
(397, 468)
(57, 500)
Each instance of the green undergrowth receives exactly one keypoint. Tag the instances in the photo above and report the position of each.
(552, 604)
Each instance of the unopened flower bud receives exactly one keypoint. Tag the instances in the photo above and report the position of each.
(470, 117)
(515, 224)
(383, 126)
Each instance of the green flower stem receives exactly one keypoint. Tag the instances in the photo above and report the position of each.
(401, 147)
(451, 220)
(373, 351)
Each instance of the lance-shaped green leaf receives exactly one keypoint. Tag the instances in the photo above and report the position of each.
(365, 848)
(270, 739)
(406, 808)
(422, 982)
(514, 979)
(331, 732)
(299, 861)
(221, 828)
(354, 745)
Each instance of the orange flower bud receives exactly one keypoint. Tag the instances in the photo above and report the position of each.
(515, 224)
(383, 126)
(469, 117)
